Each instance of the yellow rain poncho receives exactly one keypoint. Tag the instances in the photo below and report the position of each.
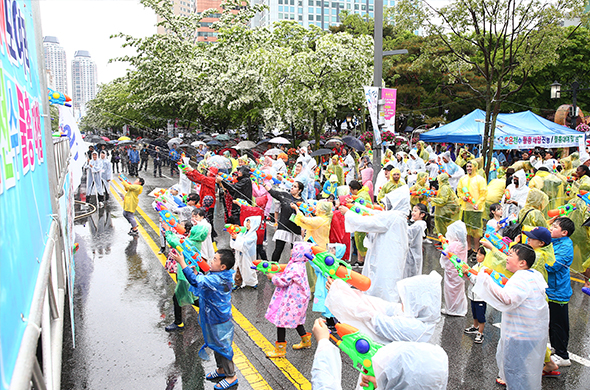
(478, 189)
(463, 157)
(390, 185)
(446, 205)
(550, 185)
(535, 201)
(335, 169)
(581, 236)
(359, 237)
(422, 152)
(387, 157)
(496, 189)
(420, 185)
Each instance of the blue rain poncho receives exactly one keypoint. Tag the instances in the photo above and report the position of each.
(214, 292)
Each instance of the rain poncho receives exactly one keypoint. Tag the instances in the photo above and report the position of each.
(413, 265)
(495, 193)
(398, 366)
(367, 180)
(94, 183)
(477, 188)
(288, 304)
(525, 324)
(554, 188)
(421, 151)
(413, 318)
(453, 170)
(454, 286)
(349, 168)
(391, 184)
(387, 157)
(446, 205)
(321, 292)
(214, 292)
(207, 250)
(400, 164)
(387, 243)
(107, 173)
(359, 237)
(536, 201)
(581, 236)
(420, 185)
(245, 247)
(415, 163)
(517, 194)
(335, 169)
(183, 181)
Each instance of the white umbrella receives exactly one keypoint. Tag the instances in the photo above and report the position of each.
(279, 140)
(173, 141)
(219, 162)
(304, 144)
(273, 152)
(245, 145)
(197, 143)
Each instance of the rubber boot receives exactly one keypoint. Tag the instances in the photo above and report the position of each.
(305, 342)
(280, 350)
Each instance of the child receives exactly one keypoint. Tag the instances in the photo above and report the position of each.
(478, 307)
(130, 202)
(525, 318)
(454, 286)
(495, 217)
(215, 318)
(338, 232)
(249, 211)
(560, 289)
(415, 237)
(288, 305)
(245, 246)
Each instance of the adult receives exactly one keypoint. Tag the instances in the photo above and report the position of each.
(415, 165)
(240, 190)
(133, 160)
(446, 205)
(287, 231)
(366, 170)
(515, 195)
(421, 151)
(349, 166)
(400, 164)
(453, 170)
(158, 158)
(387, 241)
(421, 185)
(532, 212)
(472, 191)
(183, 181)
(115, 159)
(395, 182)
(107, 173)
(144, 156)
(383, 177)
(94, 185)
(173, 157)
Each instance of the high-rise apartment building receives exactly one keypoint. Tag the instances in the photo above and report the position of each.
(185, 7)
(56, 63)
(84, 80)
(320, 13)
(180, 7)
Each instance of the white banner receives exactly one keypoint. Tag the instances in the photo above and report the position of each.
(372, 95)
(78, 148)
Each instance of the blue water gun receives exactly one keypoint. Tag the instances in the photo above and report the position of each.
(261, 176)
(58, 98)
(506, 221)
(179, 201)
(124, 178)
(497, 242)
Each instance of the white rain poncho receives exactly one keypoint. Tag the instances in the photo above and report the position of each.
(184, 183)
(401, 165)
(415, 166)
(398, 366)
(107, 173)
(349, 167)
(94, 184)
(454, 286)
(525, 324)
(413, 265)
(453, 170)
(387, 243)
(207, 250)
(381, 180)
(517, 194)
(245, 247)
(385, 321)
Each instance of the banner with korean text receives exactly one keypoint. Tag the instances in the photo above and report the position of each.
(25, 206)
(532, 141)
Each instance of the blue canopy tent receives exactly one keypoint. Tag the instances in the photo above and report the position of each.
(522, 130)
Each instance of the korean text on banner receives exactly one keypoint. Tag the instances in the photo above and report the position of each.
(372, 95)
(389, 97)
(78, 148)
(25, 204)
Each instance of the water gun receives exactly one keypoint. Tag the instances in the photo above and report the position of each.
(497, 242)
(337, 269)
(242, 202)
(287, 179)
(561, 211)
(306, 208)
(529, 176)
(460, 266)
(179, 201)
(182, 166)
(467, 195)
(585, 196)
(190, 252)
(58, 98)
(441, 168)
(424, 192)
(228, 178)
(261, 176)
(571, 178)
(160, 193)
(359, 347)
(507, 194)
(568, 189)
(360, 209)
(268, 267)
(506, 221)
(124, 178)
(586, 290)
(234, 229)
(170, 219)
(499, 278)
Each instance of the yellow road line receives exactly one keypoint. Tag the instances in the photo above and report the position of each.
(283, 364)
(577, 280)
(242, 363)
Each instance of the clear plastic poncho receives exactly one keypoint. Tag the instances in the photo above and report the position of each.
(581, 236)
(446, 205)
(245, 249)
(454, 285)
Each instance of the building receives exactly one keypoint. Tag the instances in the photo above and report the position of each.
(186, 7)
(56, 64)
(322, 14)
(84, 80)
(180, 7)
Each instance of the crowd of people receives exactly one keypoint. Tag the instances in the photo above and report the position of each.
(522, 227)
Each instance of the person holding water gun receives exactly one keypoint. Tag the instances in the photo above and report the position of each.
(244, 244)
(454, 285)
(472, 192)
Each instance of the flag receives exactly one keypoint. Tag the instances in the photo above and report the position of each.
(372, 95)
(78, 148)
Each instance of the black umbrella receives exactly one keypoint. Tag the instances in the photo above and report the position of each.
(101, 142)
(214, 143)
(92, 138)
(353, 143)
(161, 142)
(321, 152)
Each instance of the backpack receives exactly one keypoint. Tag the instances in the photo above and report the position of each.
(515, 228)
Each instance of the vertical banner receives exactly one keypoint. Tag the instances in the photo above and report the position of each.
(78, 148)
(372, 95)
(25, 203)
(389, 97)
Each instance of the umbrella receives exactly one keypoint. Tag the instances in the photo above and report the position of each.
(321, 152)
(304, 144)
(263, 141)
(173, 141)
(334, 142)
(353, 143)
(113, 142)
(222, 137)
(92, 138)
(124, 138)
(125, 142)
(101, 142)
(105, 138)
(219, 162)
(214, 143)
(159, 142)
(279, 140)
(273, 152)
(197, 143)
(146, 140)
(245, 145)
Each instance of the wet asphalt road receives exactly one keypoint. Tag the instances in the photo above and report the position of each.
(123, 301)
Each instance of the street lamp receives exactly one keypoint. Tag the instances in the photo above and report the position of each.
(556, 94)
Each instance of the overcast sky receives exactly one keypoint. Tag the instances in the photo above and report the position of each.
(87, 25)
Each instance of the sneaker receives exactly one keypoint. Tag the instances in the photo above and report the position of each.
(561, 362)
(174, 327)
(162, 250)
(471, 330)
(478, 338)
(134, 232)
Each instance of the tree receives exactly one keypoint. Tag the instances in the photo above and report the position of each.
(503, 41)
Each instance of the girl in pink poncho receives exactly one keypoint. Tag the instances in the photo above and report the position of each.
(288, 305)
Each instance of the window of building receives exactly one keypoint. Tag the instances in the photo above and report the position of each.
(371, 1)
(318, 17)
(310, 2)
(280, 16)
(318, 3)
(334, 12)
(300, 11)
(292, 17)
(370, 14)
(326, 18)
(310, 10)
(356, 6)
(292, 9)
(280, 1)
(326, 4)
(363, 7)
(300, 17)
(319, 24)
(292, 2)
(318, 10)
(370, 8)
(310, 17)
(333, 18)
(280, 8)
(300, 3)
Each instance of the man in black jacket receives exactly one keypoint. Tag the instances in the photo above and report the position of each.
(144, 156)
(240, 190)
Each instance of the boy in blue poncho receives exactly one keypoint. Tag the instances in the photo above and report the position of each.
(214, 292)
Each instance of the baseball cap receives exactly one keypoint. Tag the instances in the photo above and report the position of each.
(541, 234)
(584, 157)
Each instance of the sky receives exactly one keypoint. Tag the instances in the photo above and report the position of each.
(88, 24)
